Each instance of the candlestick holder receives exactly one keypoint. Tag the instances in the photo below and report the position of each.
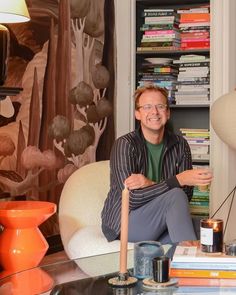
(123, 280)
(211, 235)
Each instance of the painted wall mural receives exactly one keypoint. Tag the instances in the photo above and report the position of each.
(60, 59)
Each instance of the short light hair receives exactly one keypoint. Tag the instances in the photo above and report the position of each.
(149, 87)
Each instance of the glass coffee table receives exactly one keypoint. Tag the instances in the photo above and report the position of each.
(89, 276)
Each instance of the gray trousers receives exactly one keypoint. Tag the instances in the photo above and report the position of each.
(165, 219)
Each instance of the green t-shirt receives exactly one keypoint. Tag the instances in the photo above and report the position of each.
(154, 152)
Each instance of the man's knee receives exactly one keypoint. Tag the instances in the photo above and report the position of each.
(177, 195)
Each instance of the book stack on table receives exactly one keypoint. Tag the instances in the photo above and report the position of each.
(194, 267)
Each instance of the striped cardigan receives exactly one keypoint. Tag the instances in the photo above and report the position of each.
(129, 155)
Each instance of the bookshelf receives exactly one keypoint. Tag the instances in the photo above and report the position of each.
(183, 115)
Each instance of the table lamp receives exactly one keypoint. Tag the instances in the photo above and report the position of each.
(11, 11)
(223, 121)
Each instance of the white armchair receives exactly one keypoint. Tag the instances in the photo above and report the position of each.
(80, 208)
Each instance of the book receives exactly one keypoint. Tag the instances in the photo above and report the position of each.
(159, 44)
(194, 17)
(195, 44)
(200, 203)
(194, 254)
(158, 27)
(206, 282)
(155, 38)
(191, 58)
(192, 130)
(158, 9)
(194, 24)
(195, 34)
(194, 69)
(192, 92)
(195, 80)
(159, 13)
(161, 32)
(159, 19)
(157, 48)
(191, 103)
(201, 157)
(203, 273)
(204, 266)
(194, 28)
(194, 10)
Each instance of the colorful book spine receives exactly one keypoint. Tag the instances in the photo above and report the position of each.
(160, 32)
(158, 19)
(204, 266)
(190, 35)
(159, 44)
(194, 17)
(195, 44)
(194, 64)
(203, 273)
(157, 27)
(157, 48)
(158, 38)
(159, 13)
(207, 282)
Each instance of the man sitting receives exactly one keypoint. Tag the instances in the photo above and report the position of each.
(156, 166)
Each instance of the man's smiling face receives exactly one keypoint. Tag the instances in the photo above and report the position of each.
(152, 112)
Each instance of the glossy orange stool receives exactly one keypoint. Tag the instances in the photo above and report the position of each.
(22, 245)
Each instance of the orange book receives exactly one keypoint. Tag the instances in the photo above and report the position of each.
(207, 282)
(202, 273)
(194, 17)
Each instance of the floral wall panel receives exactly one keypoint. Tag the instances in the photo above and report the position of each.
(64, 61)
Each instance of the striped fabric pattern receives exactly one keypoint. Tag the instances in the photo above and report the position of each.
(129, 155)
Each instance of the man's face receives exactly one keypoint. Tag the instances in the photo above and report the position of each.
(152, 113)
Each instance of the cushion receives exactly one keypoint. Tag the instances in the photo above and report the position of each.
(90, 241)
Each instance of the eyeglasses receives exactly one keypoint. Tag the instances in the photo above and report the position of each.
(150, 107)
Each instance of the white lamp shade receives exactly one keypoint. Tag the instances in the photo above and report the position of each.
(223, 118)
(13, 11)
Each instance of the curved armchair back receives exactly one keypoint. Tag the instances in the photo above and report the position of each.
(82, 199)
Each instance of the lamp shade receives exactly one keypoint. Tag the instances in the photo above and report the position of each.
(13, 11)
(223, 118)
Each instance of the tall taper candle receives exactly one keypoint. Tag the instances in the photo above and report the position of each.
(124, 230)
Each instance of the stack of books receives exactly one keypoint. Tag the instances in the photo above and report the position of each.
(199, 204)
(199, 142)
(194, 28)
(160, 72)
(160, 30)
(190, 265)
(193, 81)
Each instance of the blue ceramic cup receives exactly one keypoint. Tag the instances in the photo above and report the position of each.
(144, 252)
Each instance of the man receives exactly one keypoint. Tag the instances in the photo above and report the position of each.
(156, 166)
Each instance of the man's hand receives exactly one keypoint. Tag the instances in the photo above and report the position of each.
(195, 177)
(136, 181)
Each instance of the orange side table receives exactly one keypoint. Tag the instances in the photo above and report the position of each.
(22, 245)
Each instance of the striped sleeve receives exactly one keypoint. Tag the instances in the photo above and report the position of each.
(125, 160)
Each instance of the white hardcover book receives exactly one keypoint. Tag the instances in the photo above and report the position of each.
(194, 254)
